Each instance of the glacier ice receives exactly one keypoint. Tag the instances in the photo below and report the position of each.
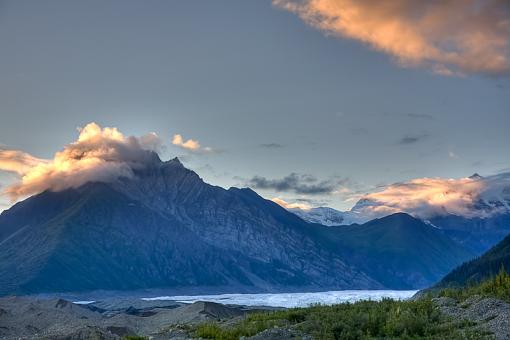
(289, 300)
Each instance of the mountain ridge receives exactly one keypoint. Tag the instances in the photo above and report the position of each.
(416, 254)
(208, 224)
(165, 227)
(477, 234)
(480, 268)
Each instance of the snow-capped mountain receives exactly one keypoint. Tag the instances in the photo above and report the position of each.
(495, 196)
(329, 216)
(473, 211)
(427, 198)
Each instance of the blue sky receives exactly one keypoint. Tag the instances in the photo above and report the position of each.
(271, 94)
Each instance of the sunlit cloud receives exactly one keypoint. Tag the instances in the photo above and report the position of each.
(425, 197)
(18, 161)
(99, 154)
(451, 37)
(190, 144)
(288, 205)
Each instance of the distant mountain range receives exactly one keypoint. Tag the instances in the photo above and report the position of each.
(165, 228)
(488, 224)
(476, 234)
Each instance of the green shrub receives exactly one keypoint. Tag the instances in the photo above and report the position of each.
(390, 319)
(497, 286)
(361, 320)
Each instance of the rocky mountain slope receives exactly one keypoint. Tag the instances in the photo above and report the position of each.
(399, 250)
(476, 234)
(481, 268)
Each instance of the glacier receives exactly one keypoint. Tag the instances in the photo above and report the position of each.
(291, 300)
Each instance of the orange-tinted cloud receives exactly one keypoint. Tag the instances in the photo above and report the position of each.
(190, 144)
(451, 37)
(288, 205)
(425, 197)
(18, 161)
(99, 154)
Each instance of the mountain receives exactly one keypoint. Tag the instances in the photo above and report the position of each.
(399, 250)
(489, 220)
(327, 216)
(478, 234)
(480, 268)
(164, 227)
(486, 220)
(474, 196)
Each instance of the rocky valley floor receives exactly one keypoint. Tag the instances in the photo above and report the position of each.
(35, 318)
(30, 318)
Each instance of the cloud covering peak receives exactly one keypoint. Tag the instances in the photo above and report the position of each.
(99, 154)
(470, 197)
(426, 198)
(450, 37)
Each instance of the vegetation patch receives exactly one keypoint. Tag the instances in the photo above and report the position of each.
(497, 287)
(360, 320)
(411, 319)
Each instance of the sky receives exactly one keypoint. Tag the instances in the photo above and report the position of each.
(313, 101)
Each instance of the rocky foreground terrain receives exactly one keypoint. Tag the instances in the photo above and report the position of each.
(491, 316)
(31, 318)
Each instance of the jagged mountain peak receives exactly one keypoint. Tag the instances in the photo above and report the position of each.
(173, 162)
(475, 176)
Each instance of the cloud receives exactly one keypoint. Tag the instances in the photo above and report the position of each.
(412, 139)
(190, 145)
(151, 141)
(473, 196)
(299, 184)
(288, 205)
(18, 161)
(452, 155)
(450, 37)
(271, 146)
(99, 154)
